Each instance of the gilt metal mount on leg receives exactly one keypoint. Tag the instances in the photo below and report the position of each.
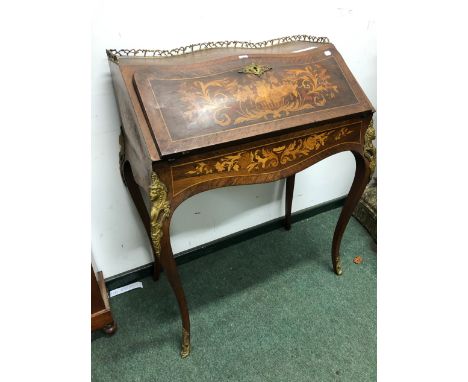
(160, 210)
(370, 152)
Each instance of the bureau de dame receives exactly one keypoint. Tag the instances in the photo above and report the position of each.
(231, 113)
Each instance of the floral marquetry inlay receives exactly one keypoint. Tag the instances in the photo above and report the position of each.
(232, 101)
(266, 157)
(342, 133)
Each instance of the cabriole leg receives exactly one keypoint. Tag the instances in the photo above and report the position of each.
(160, 223)
(170, 269)
(361, 178)
(289, 199)
(137, 198)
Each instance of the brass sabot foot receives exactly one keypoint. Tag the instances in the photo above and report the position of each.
(338, 269)
(184, 353)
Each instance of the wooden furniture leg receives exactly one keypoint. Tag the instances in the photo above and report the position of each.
(361, 178)
(135, 193)
(170, 269)
(160, 220)
(289, 198)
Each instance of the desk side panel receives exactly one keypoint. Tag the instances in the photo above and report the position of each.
(136, 151)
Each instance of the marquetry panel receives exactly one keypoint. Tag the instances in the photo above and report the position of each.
(262, 159)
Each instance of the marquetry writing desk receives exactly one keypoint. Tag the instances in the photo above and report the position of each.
(232, 113)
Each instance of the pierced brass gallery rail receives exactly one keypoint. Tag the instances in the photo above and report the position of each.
(160, 210)
(114, 54)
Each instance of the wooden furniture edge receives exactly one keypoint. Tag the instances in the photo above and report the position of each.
(103, 319)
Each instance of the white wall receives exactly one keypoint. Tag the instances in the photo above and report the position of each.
(119, 243)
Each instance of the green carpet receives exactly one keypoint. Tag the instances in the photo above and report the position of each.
(266, 309)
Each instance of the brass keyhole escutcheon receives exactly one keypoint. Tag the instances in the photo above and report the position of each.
(256, 69)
